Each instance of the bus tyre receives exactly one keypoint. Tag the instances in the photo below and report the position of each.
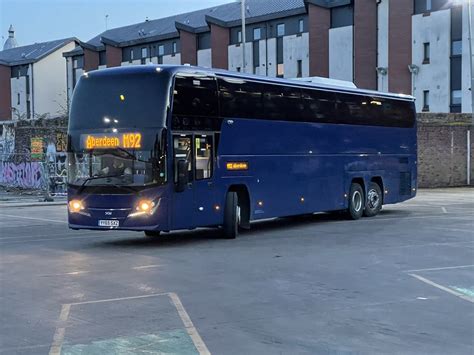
(373, 203)
(152, 233)
(356, 201)
(231, 216)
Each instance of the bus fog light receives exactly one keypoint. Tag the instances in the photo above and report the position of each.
(76, 206)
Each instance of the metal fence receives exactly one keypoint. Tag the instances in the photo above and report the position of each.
(46, 173)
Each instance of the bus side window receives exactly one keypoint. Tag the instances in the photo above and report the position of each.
(182, 146)
(204, 156)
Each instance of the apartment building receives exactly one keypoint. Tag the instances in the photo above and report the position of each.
(33, 80)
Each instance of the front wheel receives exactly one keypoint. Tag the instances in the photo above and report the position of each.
(356, 201)
(231, 216)
(373, 205)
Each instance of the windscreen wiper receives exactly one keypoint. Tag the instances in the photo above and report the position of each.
(83, 185)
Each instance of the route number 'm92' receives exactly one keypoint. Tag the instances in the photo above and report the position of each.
(132, 140)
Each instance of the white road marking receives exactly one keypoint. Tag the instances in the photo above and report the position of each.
(145, 267)
(46, 239)
(58, 337)
(441, 268)
(441, 287)
(193, 333)
(34, 218)
(444, 209)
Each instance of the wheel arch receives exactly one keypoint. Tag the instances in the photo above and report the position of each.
(243, 197)
(379, 181)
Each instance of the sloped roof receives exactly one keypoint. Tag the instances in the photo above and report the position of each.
(33, 52)
(197, 21)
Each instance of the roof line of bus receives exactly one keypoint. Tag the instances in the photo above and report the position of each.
(301, 84)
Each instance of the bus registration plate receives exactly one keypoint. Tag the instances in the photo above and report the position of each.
(108, 223)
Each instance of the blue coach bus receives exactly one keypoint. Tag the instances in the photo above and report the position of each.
(160, 148)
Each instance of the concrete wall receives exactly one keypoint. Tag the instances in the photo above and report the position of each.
(18, 87)
(341, 53)
(435, 76)
(442, 149)
(235, 57)
(49, 83)
(296, 48)
(382, 43)
(204, 58)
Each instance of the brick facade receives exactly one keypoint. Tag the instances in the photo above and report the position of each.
(91, 59)
(365, 44)
(220, 38)
(319, 23)
(442, 149)
(399, 46)
(188, 47)
(113, 56)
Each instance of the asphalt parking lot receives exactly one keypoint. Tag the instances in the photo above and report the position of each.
(402, 282)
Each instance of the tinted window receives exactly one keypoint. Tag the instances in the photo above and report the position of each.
(240, 98)
(195, 103)
(282, 103)
(318, 106)
(102, 101)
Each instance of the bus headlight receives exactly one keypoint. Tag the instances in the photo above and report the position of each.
(145, 207)
(76, 206)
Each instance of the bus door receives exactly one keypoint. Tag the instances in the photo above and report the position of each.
(195, 205)
(204, 195)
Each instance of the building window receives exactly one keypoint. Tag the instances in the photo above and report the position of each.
(280, 29)
(426, 53)
(161, 50)
(426, 100)
(238, 69)
(144, 52)
(280, 71)
(175, 48)
(131, 55)
(257, 34)
(239, 37)
(300, 26)
(428, 5)
(299, 68)
(18, 99)
(456, 48)
(456, 97)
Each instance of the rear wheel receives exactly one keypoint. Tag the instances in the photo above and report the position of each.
(356, 201)
(373, 203)
(231, 216)
(152, 233)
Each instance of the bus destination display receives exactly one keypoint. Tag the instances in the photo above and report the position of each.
(128, 140)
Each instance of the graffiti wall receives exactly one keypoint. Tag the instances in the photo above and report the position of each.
(26, 175)
(7, 141)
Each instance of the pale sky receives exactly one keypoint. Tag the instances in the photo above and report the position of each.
(44, 20)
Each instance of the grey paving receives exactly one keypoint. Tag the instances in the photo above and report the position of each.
(313, 285)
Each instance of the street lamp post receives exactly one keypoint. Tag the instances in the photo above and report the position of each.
(469, 24)
(242, 9)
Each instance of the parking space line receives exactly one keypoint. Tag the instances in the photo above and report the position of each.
(443, 288)
(34, 218)
(60, 332)
(190, 328)
(441, 268)
(444, 209)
